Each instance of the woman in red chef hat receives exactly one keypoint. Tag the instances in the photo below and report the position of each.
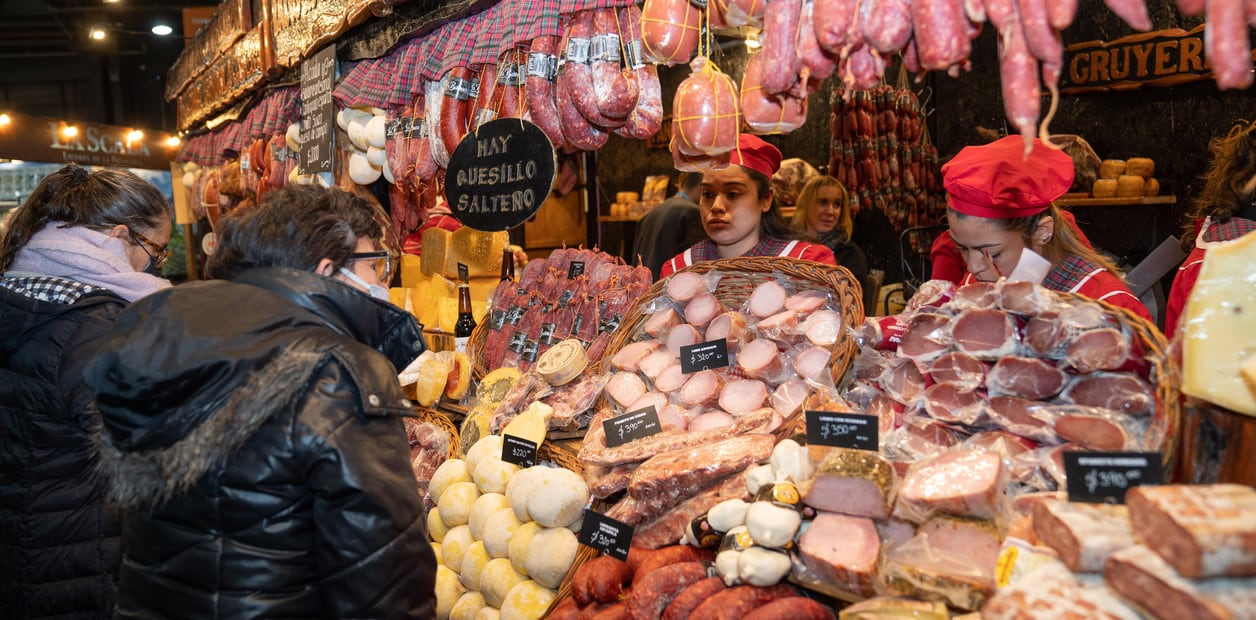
(1001, 204)
(740, 215)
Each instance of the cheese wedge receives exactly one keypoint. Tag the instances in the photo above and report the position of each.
(1219, 334)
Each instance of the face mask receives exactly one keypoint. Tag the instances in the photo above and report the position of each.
(374, 290)
(153, 270)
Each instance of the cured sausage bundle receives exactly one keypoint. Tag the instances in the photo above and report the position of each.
(1015, 367)
(705, 113)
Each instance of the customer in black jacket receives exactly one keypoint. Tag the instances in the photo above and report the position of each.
(253, 428)
(823, 213)
(671, 226)
(74, 255)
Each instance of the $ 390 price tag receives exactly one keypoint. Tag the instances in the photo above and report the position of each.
(1104, 477)
(630, 426)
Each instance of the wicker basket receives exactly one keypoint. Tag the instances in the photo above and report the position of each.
(475, 348)
(741, 276)
(441, 421)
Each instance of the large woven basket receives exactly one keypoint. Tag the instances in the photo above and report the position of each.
(475, 348)
(441, 421)
(741, 276)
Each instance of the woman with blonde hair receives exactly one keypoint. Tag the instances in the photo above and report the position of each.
(1224, 211)
(823, 213)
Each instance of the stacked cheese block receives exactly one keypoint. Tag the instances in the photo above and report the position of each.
(1130, 178)
(1173, 551)
(430, 284)
(504, 536)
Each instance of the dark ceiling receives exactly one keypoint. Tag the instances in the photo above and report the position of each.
(49, 65)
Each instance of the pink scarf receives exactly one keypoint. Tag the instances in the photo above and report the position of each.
(84, 255)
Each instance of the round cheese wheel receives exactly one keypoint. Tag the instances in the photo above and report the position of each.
(1111, 168)
(1129, 186)
(1140, 166)
(1151, 187)
(562, 362)
(1104, 188)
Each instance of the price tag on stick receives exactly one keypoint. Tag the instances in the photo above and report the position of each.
(632, 425)
(518, 450)
(576, 268)
(843, 430)
(704, 356)
(605, 534)
(1104, 477)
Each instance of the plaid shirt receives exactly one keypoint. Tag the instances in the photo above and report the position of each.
(1069, 273)
(49, 289)
(1229, 229)
(767, 246)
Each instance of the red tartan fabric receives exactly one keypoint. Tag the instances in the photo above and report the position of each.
(353, 77)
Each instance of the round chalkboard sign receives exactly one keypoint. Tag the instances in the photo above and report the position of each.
(500, 174)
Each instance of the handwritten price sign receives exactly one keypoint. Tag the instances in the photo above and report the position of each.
(1104, 477)
(704, 356)
(518, 450)
(605, 534)
(630, 426)
(843, 430)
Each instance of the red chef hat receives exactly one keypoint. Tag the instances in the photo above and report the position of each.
(998, 180)
(753, 153)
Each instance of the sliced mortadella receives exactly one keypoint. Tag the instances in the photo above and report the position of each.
(702, 308)
(823, 327)
(813, 365)
(1099, 349)
(902, 380)
(629, 357)
(655, 399)
(782, 325)
(945, 402)
(760, 358)
(682, 287)
(655, 363)
(1118, 391)
(806, 301)
(670, 379)
(961, 369)
(789, 396)
(625, 387)
(1092, 432)
(1026, 377)
(731, 326)
(984, 333)
(926, 338)
(1025, 298)
(701, 388)
(709, 420)
(1023, 417)
(976, 295)
(743, 396)
(673, 417)
(682, 335)
(661, 322)
(767, 299)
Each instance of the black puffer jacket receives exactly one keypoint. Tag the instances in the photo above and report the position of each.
(58, 542)
(253, 436)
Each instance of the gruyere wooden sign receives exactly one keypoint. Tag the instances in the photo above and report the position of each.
(1161, 58)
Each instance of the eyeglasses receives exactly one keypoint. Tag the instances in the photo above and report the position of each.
(162, 251)
(381, 262)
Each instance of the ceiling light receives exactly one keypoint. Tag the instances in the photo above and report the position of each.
(5, 120)
(111, 1)
(162, 30)
(69, 131)
(172, 141)
(134, 135)
(97, 34)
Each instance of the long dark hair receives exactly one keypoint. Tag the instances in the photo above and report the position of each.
(295, 226)
(76, 197)
(772, 224)
(1063, 241)
(1229, 181)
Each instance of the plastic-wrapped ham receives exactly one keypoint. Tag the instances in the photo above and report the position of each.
(841, 551)
(1083, 535)
(984, 333)
(962, 483)
(1118, 391)
(1201, 530)
(1053, 591)
(1143, 577)
(1026, 377)
(704, 111)
(681, 472)
(948, 560)
(629, 357)
(852, 482)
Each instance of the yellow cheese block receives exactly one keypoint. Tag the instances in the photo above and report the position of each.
(480, 251)
(1108, 169)
(482, 288)
(1219, 332)
(1140, 166)
(1129, 186)
(411, 270)
(1104, 188)
(435, 250)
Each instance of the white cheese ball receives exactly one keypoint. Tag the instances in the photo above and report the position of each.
(550, 554)
(520, 487)
(526, 601)
(456, 502)
(467, 606)
(484, 506)
(498, 529)
(473, 562)
(448, 591)
(559, 498)
(496, 580)
(449, 472)
(492, 475)
(488, 613)
(436, 528)
(517, 549)
(455, 545)
(488, 447)
(440, 559)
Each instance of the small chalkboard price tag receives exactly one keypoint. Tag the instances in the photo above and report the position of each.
(518, 450)
(500, 174)
(843, 430)
(704, 356)
(576, 268)
(631, 426)
(605, 534)
(1104, 477)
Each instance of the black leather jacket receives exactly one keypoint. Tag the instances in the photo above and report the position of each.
(253, 438)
